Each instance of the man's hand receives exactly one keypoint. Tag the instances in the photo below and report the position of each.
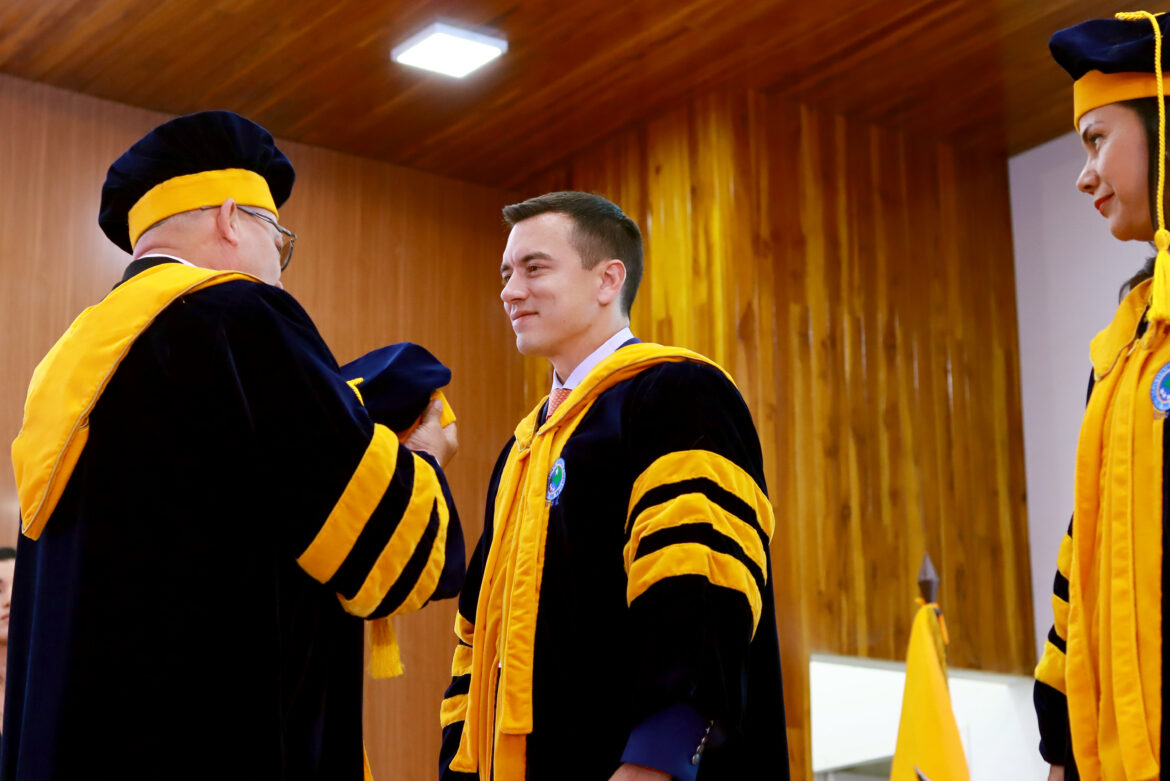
(1056, 773)
(430, 437)
(630, 772)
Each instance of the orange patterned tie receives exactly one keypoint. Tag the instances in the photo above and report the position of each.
(555, 398)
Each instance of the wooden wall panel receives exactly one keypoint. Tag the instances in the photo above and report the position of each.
(321, 73)
(392, 254)
(54, 151)
(859, 284)
(385, 254)
(856, 281)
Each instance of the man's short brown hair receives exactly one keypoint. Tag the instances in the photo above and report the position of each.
(601, 231)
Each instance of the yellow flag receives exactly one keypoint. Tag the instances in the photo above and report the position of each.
(928, 738)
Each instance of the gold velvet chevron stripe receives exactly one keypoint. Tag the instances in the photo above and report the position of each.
(692, 558)
(464, 629)
(461, 662)
(452, 710)
(353, 509)
(429, 578)
(685, 465)
(499, 718)
(692, 508)
(425, 496)
(677, 500)
(1050, 669)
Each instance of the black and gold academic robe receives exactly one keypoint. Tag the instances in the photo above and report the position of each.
(655, 665)
(1110, 586)
(1048, 693)
(193, 606)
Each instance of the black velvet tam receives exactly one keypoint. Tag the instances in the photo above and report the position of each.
(397, 382)
(1109, 46)
(191, 144)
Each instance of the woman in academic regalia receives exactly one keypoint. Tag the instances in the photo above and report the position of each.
(1099, 682)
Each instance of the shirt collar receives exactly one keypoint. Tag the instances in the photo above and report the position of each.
(149, 260)
(165, 255)
(607, 348)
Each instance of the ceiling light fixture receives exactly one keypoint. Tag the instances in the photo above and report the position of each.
(453, 51)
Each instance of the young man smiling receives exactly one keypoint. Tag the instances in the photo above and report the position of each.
(618, 617)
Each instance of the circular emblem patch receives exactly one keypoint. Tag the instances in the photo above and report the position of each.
(1160, 390)
(556, 480)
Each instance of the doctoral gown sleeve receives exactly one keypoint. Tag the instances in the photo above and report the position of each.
(362, 514)
(697, 562)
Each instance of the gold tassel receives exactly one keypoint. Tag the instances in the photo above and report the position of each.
(447, 416)
(1160, 300)
(385, 658)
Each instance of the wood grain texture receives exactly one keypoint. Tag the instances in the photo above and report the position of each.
(858, 283)
(974, 71)
(385, 254)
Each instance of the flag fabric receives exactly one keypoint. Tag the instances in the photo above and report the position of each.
(928, 738)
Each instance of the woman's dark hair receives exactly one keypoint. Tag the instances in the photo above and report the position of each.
(1147, 111)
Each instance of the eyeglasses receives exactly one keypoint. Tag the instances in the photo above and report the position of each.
(288, 239)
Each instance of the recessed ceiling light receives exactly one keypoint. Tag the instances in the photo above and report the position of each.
(447, 49)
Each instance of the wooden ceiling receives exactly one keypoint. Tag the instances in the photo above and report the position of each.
(973, 71)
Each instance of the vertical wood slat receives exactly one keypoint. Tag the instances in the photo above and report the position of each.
(791, 438)
(858, 283)
(864, 285)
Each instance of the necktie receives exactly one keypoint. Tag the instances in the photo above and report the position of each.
(556, 397)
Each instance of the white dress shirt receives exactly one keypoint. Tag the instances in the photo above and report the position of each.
(607, 348)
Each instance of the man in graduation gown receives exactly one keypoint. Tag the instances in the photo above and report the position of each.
(208, 509)
(618, 618)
